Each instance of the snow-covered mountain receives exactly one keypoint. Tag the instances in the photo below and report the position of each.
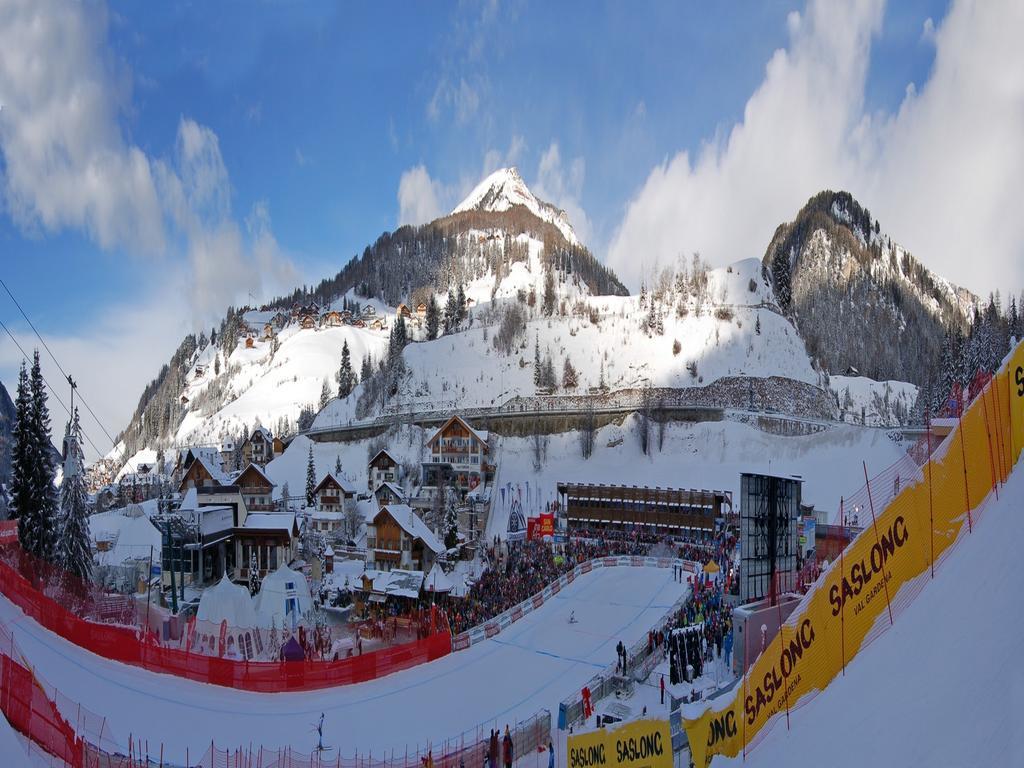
(860, 299)
(542, 317)
(503, 190)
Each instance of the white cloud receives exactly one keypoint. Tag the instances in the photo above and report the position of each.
(563, 188)
(66, 163)
(418, 197)
(940, 173)
(461, 97)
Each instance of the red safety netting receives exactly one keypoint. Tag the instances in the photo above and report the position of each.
(28, 707)
(45, 594)
(28, 710)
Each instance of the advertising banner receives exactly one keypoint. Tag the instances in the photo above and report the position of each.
(639, 744)
(853, 601)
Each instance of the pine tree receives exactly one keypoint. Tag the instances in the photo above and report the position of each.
(36, 526)
(537, 368)
(325, 394)
(337, 465)
(310, 478)
(568, 375)
(73, 551)
(346, 376)
(285, 493)
(451, 526)
(21, 451)
(451, 313)
(254, 574)
(460, 305)
(548, 303)
(366, 369)
(757, 325)
(433, 317)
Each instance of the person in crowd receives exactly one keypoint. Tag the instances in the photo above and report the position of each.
(507, 749)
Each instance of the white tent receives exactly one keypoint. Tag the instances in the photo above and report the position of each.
(229, 605)
(283, 598)
(438, 581)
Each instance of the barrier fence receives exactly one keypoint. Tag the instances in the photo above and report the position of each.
(43, 592)
(35, 710)
(910, 525)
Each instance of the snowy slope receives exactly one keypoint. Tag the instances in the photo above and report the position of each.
(534, 664)
(945, 685)
(11, 748)
(504, 189)
(736, 331)
(882, 403)
(261, 385)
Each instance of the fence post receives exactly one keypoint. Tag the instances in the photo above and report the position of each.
(746, 666)
(782, 646)
(963, 456)
(991, 457)
(874, 525)
(931, 510)
(842, 575)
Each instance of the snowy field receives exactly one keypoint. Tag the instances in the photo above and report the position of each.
(945, 685)
(534, 664)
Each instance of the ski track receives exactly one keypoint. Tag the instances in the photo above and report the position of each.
(533, 664)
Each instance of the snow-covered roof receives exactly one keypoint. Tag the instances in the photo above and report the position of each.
(255, 468)
(229, 602)
(341, 482)
(264, 432)
(134, 537)
(271, 521)
(382, 451)
(480, 435)
(397, 582)
(391, 487)
(413, 525)
(437, 580)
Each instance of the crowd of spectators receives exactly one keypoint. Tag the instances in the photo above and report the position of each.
(519, 570)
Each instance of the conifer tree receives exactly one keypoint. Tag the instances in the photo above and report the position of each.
(433, 317)
(460, 305)
(310, 477)
(548, 304)
(21, 450)
(538, 370)
(450, 313)
(36, 524)
(346, 376)
(325, 394)
(337, 466)
(569, 378)
(451, 526)
(73, 551)
(366, 369)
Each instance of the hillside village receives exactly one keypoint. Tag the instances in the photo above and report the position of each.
(307, 432)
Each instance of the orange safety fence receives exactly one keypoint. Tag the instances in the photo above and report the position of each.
(29, 583)
(909, 521)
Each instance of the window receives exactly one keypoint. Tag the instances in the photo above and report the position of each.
(247, 652)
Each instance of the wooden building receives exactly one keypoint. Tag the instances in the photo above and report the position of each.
(459, 457)
(256, 488)
(382, 468)
(332, 493)
(397, 538)
(258, 447)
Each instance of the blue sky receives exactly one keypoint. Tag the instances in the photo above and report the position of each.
(274, 138)
(319, 108)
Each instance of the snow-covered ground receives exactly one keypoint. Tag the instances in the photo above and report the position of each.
(703, 455)
(873, 403)
(534, 664)
(11, 746)
(945, 685)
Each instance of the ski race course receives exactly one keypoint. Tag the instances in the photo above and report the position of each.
(532, 665)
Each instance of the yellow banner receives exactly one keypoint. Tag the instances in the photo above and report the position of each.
(639, 744)
(852, 599)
